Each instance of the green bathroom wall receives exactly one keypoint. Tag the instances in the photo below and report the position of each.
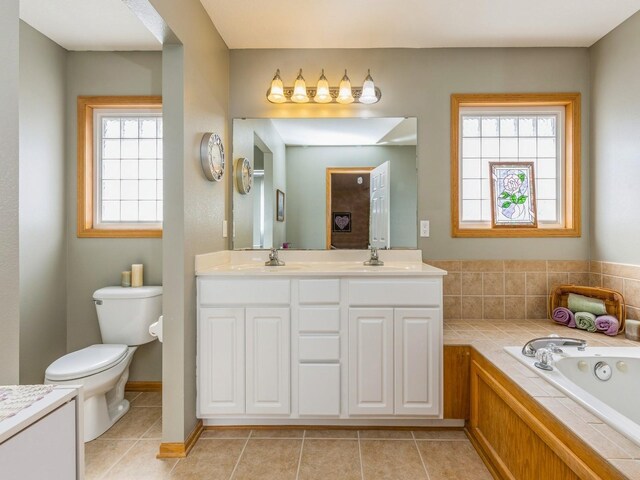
(615, 145)
(195, 100)
(94, 263)
(9, 234)
(43, 239)
(418, 83)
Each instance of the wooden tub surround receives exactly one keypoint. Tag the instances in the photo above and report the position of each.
(522, 427)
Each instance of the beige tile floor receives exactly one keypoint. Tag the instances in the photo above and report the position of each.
(128, 451)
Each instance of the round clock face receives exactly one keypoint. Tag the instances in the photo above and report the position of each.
(244, 176)
(212, 157)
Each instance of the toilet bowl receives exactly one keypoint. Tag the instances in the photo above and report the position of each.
(102, 370)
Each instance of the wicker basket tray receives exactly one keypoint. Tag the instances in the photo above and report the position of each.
(613, 300)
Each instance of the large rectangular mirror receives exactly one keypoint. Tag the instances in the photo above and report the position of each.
(325, 183)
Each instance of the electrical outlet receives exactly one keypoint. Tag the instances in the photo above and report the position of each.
(225, 227)
(424, 228)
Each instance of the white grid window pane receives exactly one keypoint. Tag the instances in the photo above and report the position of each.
(147, 211)
(111, 169)
(129, 211)
(508, 137)
(111, 211)
(129, 168)
(111, 128)
(129, 128)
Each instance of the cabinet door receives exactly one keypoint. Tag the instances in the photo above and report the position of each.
(221, 361)
(370, 361)
(417, 361)
(268, 366)
(319, 389)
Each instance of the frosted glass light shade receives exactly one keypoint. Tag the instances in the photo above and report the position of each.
(300, 90)
(322, 90)
(276, 92)
(344, 94)
(368, 95)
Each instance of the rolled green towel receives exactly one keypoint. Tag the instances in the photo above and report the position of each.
(586, 321)
(580, 303)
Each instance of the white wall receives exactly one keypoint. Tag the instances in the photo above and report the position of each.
(418, 83)
(9, 235)
(615, 145)
(306, 196)
(43, 239)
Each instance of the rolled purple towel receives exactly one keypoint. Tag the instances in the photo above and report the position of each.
(564, 316)
(607, 324)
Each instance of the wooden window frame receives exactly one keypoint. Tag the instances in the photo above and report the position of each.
(86, 178)
(571, 186)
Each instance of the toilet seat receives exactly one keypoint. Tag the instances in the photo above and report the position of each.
(85, 362)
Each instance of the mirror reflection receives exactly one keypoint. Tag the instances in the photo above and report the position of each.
(325, 183)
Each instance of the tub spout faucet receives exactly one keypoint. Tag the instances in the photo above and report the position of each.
(544, 357)
(274, 261)
(374, 260)
(552, 344)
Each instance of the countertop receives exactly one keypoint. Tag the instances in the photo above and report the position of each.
(489, 337)
(315, 263)
(37, 410)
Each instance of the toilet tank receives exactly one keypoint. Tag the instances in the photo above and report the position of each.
(124, 314)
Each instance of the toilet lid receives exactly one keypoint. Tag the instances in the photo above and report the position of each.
(85, 362)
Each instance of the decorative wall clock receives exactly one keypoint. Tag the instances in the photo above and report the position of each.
(212, 157)
(244, 175)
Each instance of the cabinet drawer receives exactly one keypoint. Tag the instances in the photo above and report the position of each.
(319, 348)
(216, 292)
(319, 291)
(319, 319)
(405, 292)
(319, 389)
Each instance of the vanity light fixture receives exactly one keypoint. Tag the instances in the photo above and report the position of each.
(276, 92)
(344, 94)
(368, 90)
(323, 93)
(300, 90)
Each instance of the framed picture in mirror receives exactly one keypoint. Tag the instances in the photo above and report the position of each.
(279, 205)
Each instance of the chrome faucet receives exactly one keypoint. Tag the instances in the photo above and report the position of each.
(274, 261)
(374, 261)
(552, 344)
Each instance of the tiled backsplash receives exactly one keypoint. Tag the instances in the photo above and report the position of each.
(621, 277)
(517, 289)
(512, 289)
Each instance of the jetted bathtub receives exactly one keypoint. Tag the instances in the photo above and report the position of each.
(605, 380)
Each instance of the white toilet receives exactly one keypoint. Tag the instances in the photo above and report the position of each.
(124, 315)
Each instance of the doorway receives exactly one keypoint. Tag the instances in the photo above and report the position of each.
(348, 207)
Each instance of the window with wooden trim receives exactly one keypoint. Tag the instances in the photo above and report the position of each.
(120, 167)
(543, 129)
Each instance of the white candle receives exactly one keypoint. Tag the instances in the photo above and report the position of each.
(126, 279)
(136, 275)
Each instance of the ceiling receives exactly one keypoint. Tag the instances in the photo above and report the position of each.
(111, 25)
(346, 131)
(88, 24)
(416, 23)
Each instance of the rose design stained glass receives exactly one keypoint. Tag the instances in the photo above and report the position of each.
(512, 195)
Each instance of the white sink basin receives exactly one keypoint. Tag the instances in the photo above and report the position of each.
(263, 268)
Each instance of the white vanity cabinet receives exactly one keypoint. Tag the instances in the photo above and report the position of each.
(281, 348)
(318, 345)
(243, 363)
(395, 346)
